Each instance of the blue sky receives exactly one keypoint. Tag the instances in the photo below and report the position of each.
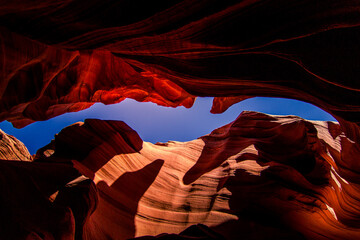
(160, 124)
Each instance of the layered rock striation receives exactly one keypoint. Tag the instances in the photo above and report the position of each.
(13, 149)
(63, 56)
(259, 177)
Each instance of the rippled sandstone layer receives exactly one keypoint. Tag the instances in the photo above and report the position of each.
(275, 178)
(12, 149)
(259, 177)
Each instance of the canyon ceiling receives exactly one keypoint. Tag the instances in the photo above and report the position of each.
(259, 177)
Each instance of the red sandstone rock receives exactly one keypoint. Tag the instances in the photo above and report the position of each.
(26, 210)
(259, 177)
(41, 82)
(64, 56)
(293, 178)
(12, 149)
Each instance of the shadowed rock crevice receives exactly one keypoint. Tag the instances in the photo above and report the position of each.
(302, 176)
(122, 198)
(246, 187)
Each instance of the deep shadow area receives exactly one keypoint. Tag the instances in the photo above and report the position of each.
(63, 56)
(194, 232)
(252, 201)
(285, 166)
(124, 196)
(25, 209)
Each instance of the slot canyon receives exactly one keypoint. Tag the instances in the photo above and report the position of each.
(259, 177)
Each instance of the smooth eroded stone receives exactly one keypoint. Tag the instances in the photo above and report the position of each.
(259, 177)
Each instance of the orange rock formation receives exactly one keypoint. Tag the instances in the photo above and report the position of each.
(12, 149)
(65, 55)
(260, 177)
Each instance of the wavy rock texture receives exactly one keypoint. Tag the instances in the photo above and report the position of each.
(12, 149)
(259, 177)
(40, 82)
(61, 56)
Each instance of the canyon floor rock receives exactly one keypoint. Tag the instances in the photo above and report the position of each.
(259, 177)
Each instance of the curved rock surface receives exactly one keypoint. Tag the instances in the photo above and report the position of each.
(27, 208)
(259, 177)
(13, 149)
(65, 55)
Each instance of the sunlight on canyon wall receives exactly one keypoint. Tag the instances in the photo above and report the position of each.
(260, 177)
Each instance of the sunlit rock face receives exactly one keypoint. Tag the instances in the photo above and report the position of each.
(12, 149)
(61, 56)
(259, 177)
